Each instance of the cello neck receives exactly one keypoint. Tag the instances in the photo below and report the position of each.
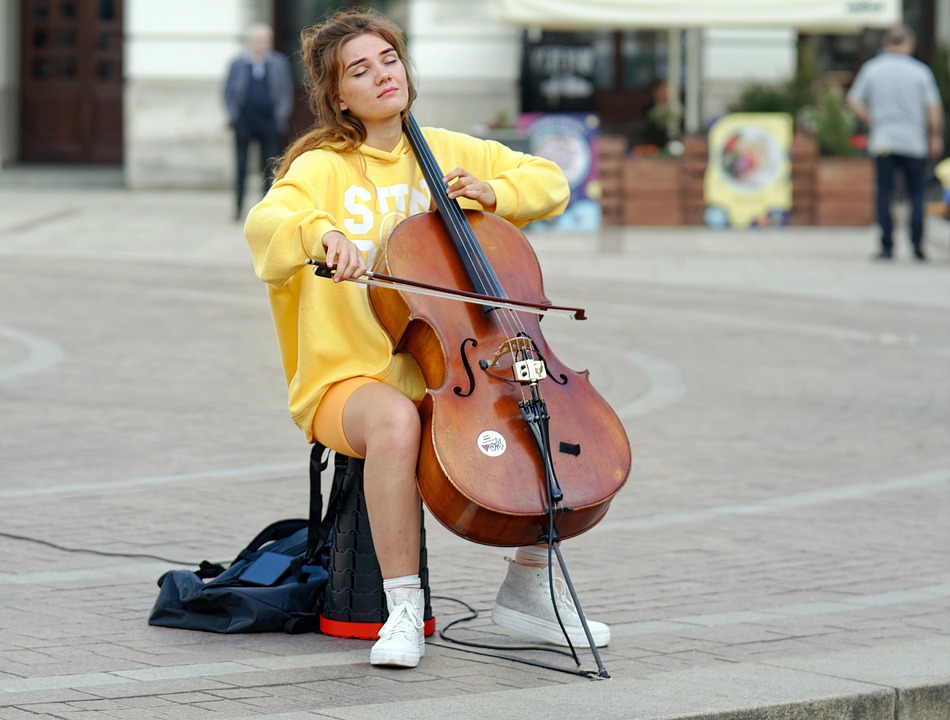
(479, 270)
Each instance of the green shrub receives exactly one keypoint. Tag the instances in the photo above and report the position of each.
(833, 124)
(760, 97)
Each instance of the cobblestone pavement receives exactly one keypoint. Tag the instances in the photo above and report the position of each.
(782, 548)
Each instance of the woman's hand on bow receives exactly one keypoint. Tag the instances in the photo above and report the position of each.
(343, 256)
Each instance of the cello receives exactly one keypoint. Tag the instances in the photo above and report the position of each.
(515, 446)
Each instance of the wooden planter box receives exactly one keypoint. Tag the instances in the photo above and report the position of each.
(652, 191)
(612, 151)
(695, 159)
(844, 192)
(826, 191)
(804, 156)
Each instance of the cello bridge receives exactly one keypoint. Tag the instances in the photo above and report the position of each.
(527, 369)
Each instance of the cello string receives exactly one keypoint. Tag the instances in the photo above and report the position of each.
(454, 217)
(462, 232)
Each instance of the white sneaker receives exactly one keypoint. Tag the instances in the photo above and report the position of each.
(402, 638)
(524, 604)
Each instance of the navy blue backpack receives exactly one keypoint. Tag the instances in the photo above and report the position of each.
(275, 584)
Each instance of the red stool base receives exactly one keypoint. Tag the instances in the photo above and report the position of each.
(363, 630)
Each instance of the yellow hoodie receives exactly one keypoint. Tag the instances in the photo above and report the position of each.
(327, 331)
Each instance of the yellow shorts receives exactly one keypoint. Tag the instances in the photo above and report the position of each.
(328, 420)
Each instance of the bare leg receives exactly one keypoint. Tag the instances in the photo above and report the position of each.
(383, 425)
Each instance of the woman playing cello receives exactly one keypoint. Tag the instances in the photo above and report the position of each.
(340, 191)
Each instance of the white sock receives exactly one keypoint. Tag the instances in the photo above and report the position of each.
(406, 581)
(532, 556)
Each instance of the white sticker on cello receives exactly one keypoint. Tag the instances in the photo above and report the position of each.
(491, 443)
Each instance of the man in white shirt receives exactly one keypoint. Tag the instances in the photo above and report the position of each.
(896, 96)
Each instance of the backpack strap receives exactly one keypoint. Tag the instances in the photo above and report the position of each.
(318, 463)
(319, 530)
(275, 531)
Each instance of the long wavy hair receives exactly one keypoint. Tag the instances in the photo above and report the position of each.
(320, 46)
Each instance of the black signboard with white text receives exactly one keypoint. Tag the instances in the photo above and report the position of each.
(557, 74)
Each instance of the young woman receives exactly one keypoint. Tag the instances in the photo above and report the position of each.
(340, 191)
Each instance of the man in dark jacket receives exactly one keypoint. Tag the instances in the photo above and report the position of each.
(259, 94)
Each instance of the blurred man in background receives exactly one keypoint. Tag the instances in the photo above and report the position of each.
(896, 96)
(259, 94)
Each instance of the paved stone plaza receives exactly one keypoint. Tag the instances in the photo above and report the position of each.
(782, 549)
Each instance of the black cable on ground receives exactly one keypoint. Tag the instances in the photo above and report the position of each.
(465, 645)
(592, 674)
(103, 553)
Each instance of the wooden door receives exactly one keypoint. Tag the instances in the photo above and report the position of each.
(71, 79)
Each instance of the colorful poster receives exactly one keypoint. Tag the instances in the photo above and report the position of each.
(569, 139)
(748, 180)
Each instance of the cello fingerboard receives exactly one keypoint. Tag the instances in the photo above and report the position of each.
(477, 267)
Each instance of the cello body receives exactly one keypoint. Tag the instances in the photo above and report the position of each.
(480, 470)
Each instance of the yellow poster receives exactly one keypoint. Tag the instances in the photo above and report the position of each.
(748, 180)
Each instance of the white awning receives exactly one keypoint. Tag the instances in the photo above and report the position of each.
(815, 15)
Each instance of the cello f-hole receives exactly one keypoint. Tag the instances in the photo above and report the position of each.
(468, 369)
(560, 379)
